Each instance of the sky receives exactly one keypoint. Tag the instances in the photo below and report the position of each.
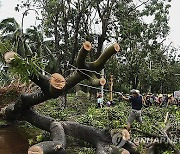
(7, 10)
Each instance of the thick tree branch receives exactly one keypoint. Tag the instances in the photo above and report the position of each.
(97, 82)
(108, 52)
(96, 137)
(82, 54)
(53, 87)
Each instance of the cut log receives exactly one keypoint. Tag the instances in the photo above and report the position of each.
(57, 82)
(108, 52)
(47, 147)
(125, 134)
(35, 150)
(86, 47)
(9, 56)
(97, 138)
(117, 150)
(124, 151)
(116, 47)
(102, 81)
(98, 82)
(57, 133)
(119, 136)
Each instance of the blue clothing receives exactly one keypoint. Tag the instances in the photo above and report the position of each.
(136, 102)
(100, 101)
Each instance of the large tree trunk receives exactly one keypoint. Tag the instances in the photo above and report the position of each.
(97, 138)
(52, 87)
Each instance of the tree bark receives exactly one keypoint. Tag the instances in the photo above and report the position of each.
(97, 138)
(52, 87)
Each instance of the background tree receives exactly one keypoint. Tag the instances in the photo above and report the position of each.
(144, 62)
(141, 28)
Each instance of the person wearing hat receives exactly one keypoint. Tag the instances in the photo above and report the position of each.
(171, 100)
(136, 101)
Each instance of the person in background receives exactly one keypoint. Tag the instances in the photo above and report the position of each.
(160, 100)
(164, 100)
(99, 100)
(136, 101)
(152, 98)
(156, 100)
(171, 100)
(147, 101)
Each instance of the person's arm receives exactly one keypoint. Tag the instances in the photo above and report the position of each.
(143, 101)
(125, 98)
(168, 102)
(161, 102)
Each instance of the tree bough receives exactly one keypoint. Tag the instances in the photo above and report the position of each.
(52, 87)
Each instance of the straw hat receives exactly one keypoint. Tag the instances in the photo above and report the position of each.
(134, 91)
(169, 95)
(160, 95)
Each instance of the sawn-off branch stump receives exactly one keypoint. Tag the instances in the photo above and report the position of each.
(52, 87)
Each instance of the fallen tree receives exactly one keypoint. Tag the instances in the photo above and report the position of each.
(52, 87)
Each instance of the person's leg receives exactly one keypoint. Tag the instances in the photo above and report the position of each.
(99, 105)
(131, 118)
(139, 117)
(128, 126)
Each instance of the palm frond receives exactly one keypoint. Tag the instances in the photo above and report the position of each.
(9, 25)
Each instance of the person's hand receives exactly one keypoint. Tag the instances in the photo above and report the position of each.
(120, 94)
(123, 97)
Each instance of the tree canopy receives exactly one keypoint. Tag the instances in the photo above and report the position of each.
(141, 28)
